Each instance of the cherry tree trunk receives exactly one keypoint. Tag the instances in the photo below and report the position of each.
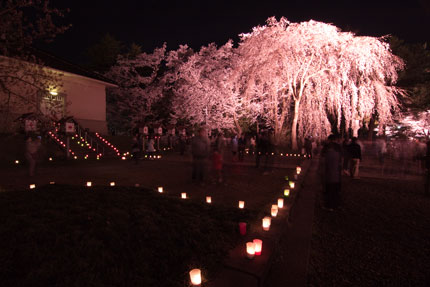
(294, 125)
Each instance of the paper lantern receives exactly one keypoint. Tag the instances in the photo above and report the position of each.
(258, 245)
(89, 183)
(266, 223)
(292, 184)
(123, 158)
(286, 192)
(112, 183)
(280, 202)
(196, 277)
(160, 189)
(250, 249)
(183, 195)
(208, 199)
(32, 186)
(274, 210)
(298, 170)
(241, 204)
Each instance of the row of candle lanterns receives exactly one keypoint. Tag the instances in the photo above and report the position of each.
(60, 142)
(253, 248)
(282, 154)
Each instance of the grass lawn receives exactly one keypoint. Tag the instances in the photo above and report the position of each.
(62, 235)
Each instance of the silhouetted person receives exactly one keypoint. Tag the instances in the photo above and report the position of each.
(135, 150)
(32, 146)
(241, 147)
(308, 147)
(346, 156)
(354, 150)
(332, 173)
(200, 151)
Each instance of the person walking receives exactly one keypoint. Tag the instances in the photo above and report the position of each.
(354, 150)
(200, 148)
(332, 173)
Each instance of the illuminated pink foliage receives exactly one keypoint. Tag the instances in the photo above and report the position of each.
(294, 76)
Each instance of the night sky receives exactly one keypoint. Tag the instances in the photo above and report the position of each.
(150, 23)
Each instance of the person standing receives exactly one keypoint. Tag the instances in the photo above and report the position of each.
(332, 173)
(200, 148)
(135, 150)
(308, 147)
(234, 147)
(31, 153)
(241, 147)
(354, 150)
(346, 156)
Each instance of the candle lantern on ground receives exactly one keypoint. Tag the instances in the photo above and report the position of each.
(241, 204)
(298, 170)
(266, 223)
(196, 277)
(258, 246)
(274, 210)
(112, 183)
(160, 189)
(32, 186)
(208, 199)
(280, 202)
(52, 182)
(292, 184)
(250, 250)
(286, 192)
(183, 195)
(89, 183)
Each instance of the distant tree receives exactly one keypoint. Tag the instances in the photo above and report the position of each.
(416, 76)
(23, 78)
(145, 88)
(103, 54)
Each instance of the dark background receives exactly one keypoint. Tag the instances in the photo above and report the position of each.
(150, 23)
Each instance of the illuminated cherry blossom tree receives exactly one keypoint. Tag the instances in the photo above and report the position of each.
(207, 90)
(307, 73)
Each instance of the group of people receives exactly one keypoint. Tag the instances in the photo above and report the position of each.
(139, 145)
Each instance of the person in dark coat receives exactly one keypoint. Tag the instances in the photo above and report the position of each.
(200, 148)
(354, 150)
(332, 173)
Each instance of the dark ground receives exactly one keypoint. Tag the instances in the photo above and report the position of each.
(380, 236)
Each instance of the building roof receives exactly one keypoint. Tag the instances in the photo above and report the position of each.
(54, 62)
